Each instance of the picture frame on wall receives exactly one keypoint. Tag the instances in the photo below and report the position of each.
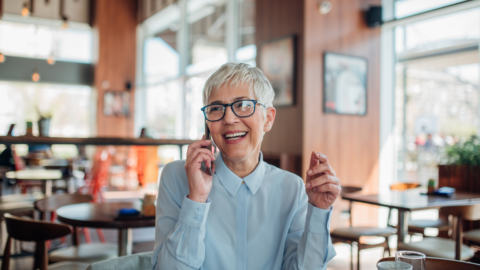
(344, 84)
(116, 103)
(277, 62)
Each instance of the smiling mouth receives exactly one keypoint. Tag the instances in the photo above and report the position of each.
(235, 136)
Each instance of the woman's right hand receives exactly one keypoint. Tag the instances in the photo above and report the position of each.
(199, 183)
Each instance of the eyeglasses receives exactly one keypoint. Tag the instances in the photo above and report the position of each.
(241, 108)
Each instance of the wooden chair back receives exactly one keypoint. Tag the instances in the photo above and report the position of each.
(54, 202)
(466, 212)
(442, 264)
(32, 230)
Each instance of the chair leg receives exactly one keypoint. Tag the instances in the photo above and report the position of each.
(41, 256)
(358, 256)
(388, 247)
(6, 254)
(351, 256)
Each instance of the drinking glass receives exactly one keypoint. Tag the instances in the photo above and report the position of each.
(415, 259)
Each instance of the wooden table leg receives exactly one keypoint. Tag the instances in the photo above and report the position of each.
(124, 242)
(402, 228)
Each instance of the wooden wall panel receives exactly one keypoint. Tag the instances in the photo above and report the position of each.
(274, 19)
(350, 142)
(116, 23)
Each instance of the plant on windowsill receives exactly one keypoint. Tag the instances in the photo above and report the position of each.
(462, 166)
(43, 123)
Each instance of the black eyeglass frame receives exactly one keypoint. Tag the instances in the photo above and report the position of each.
(255, 102)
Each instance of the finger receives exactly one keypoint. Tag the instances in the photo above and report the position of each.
(329, 187)
(326, 178)
(198, 151)
(321, 168)
(202, 157)
(322, 158)
(197, 144)
(313, 160)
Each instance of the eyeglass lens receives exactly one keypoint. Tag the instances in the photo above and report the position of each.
(242, 108)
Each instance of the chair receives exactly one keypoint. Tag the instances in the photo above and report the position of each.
(418, 226)
(448, 248)
(39, 232)
(472, 237)
(351, 235)
(88, 252)
(140, 261)
(442, 264)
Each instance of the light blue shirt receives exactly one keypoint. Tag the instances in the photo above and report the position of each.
(260, 222)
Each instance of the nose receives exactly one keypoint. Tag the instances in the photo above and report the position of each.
(230, 117)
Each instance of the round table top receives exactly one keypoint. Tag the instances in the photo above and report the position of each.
(101, 215)
(35, 175)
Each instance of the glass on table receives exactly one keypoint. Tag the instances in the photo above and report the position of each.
(415, 259)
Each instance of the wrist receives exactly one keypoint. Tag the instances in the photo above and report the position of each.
(198, 199)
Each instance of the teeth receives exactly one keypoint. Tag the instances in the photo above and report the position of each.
(235, 134)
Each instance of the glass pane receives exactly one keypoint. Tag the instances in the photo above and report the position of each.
(455, 30)
(405, 8)
(161, 58)
(437, 95)
(195, 120)
(27, 40)
(68, 106)
(247, 51)
(164, 110)
(207, 23)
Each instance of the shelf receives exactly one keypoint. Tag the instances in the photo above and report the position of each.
(90, 141)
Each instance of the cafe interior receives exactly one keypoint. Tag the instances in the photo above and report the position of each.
(97, 96)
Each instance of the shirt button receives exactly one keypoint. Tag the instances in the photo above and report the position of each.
(198, 218)
(200, 209)
(243, 182)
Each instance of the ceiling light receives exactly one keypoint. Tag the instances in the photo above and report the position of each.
(51, 59)
(2, 58)
(25, 10)
(35, 76)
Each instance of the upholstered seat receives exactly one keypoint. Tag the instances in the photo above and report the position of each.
(438, 247)
(473, 236)
(68, 266)
(357, 232)
(87, 253)
(422, 224)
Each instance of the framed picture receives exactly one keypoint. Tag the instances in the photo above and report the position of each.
(277, 61)
(116, 103)
(344, 84)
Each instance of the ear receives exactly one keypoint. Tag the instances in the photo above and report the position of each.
(269, 119)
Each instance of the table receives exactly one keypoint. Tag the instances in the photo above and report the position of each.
(102, 215)
(411, 200)
(46, 176)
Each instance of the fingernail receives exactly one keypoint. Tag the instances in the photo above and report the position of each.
(318, 154)
(308, 185)
(309, 172)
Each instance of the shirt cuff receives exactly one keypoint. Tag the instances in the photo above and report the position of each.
(194, 214)
(318, 219)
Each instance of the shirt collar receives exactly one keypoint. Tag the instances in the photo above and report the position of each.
(232, 182)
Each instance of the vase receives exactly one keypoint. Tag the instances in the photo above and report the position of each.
(44, 127)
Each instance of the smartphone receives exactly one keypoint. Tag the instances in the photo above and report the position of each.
(208, 170)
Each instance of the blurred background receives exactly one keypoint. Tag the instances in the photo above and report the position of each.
(92, 85)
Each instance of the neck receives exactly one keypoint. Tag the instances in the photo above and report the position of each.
(243, 167)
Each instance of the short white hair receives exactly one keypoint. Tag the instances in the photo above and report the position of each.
(236, 74)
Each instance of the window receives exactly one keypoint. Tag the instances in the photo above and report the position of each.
(69, 107)
(405, 8)
(184, 44)
(35, 41)
(436, 94)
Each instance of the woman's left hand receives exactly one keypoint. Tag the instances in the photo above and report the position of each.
(322, 185)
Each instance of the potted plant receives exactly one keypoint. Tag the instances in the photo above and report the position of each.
(461, 168)
(43, 123)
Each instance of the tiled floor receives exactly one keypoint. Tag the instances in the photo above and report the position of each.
(368, 258)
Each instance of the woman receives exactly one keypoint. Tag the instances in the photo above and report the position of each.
(248, 214)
